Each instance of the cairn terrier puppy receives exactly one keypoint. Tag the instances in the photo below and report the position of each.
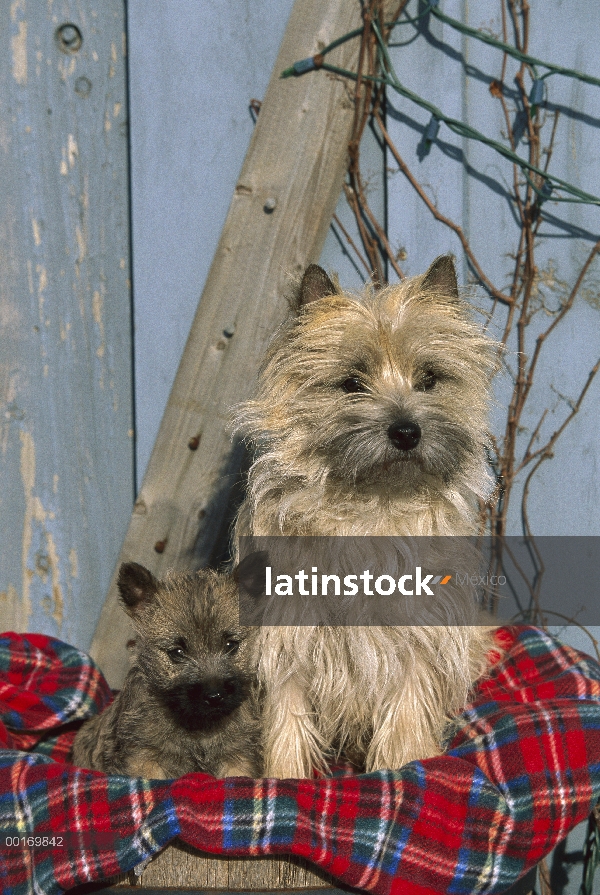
(188, 702)
(370, 419)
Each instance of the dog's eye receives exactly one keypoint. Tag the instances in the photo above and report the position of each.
(176, 654)
(426, 381)
(352, 385)
(232, 646)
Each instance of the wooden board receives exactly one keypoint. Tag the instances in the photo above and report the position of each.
(181, 869)
(179, 865)
(66, 457)
(296, 163)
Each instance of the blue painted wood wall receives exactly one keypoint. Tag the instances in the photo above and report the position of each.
(68, 404)
(66, 412)
(66, 390)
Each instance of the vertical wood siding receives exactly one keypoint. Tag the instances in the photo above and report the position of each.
(65, 388)
(65, 334)
(194, 67)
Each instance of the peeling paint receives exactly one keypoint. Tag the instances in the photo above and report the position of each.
(36, 514)
(14, 387)
(591, 294)
(73, 562)
(54, 569)
(18, 45)
(14, 610)
(113, 59)
(37, 238)
(85, 196)
(4, 137)
(27, 465)
(97, 312)
(97, 308)
(72, 150)
(42, 286)
(117, 110)
(81, 245)
(66, 67)
(10, 319)
(15, 7)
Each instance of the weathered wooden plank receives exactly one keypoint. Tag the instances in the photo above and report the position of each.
(179, 865)
(277, 222)
(65, 383)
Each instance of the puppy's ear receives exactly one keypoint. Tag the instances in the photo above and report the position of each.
(250, 574)
(315, 285)
(136, 586)
(440, 278)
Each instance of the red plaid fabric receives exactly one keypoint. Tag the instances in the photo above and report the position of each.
(522, 769)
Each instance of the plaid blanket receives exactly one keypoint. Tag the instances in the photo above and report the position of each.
(522, 769)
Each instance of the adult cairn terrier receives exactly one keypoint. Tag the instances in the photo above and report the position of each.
(370, 419)
(188, 702)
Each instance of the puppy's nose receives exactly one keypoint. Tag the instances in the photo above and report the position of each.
(404, 435)
(213, 697)
(216, 691)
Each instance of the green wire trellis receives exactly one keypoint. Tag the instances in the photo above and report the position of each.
(548, 182)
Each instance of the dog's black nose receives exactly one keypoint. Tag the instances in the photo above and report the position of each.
(404, 435)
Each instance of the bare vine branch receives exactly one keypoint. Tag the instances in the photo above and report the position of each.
(521, 300)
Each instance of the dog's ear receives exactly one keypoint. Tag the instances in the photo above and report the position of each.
(315, 285)
(250, 574)
(136, 586)
(440, 278)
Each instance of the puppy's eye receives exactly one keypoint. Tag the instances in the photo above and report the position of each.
(352, 385)
(232, 646)
(176, 654)
(427, 381)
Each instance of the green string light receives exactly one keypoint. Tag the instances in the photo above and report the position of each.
(511, 51)
(548, 182)
(434, 9)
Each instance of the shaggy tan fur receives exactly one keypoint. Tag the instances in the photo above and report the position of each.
(370, 419)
